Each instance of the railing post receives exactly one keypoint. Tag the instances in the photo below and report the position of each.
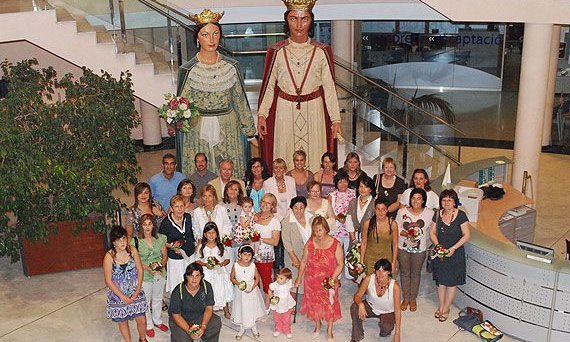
(112, 12)
(122, 20)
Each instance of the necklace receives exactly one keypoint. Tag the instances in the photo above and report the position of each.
(280, 184)
(363, 200)
(208, 62)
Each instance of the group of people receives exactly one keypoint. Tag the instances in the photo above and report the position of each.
(261, 246)
(275, 237)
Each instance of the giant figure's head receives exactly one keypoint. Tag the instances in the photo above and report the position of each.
(299, 20)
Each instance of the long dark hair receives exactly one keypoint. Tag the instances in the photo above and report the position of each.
(139, 187)
(287, 31)
(154, 231)
(184, 182)
(427, 187)
(116, 233)
(201, 26)
(372, 226)
(211, 226)
(190, 269)
(240, 195)
(248, 176)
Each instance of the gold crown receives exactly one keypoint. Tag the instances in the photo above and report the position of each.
(206, 16)
(299, 5)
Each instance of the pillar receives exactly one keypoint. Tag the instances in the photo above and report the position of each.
(550, 87)
(531, 103)
(343, 49)
(151, 124)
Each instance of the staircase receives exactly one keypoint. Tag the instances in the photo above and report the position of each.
(68, 35)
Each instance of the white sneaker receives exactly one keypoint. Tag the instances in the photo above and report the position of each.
(289, 336)
(277, 333)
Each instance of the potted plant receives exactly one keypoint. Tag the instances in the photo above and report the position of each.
(65, 147)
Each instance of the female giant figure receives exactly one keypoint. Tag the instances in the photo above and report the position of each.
(215, 83)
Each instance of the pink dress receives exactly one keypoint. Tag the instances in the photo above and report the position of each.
(340, 201)
(321, 264)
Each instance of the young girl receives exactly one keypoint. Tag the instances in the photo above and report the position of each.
(153, 254)
(213, 257)
(245, 223)
(248, 302)
(123, 273)
(281, 302)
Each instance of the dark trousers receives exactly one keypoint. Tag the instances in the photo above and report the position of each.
(212, 333)
(386, 321)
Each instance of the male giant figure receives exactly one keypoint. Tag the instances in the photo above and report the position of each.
(299, 106)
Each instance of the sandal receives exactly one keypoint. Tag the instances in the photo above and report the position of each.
(404, 305)
(164, 306)
(413, 306)
(437, 314)
(443, 316)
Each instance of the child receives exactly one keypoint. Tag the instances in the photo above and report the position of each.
(245, 223)
(213, 257)
(281, 302)
(248, 302)
(123, 273)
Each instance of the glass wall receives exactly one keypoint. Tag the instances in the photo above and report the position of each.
(420, 54)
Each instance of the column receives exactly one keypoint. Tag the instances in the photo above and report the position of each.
(151, 124)
(531, 102)
(549, 104)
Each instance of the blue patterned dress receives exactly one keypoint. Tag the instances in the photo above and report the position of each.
(125, 277)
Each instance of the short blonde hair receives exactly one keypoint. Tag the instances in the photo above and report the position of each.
(279, 162)
(273, 201)
(320, 221)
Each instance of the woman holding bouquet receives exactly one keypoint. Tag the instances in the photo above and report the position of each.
(321, 265)
(214, 83)
(449, 231)
(153, 254)
(413, 223)
(339, 201)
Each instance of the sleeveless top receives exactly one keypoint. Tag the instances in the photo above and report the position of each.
(380, 305)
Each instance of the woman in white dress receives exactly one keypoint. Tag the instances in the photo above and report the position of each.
(212, 211)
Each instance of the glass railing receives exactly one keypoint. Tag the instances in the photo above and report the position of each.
(383, 122)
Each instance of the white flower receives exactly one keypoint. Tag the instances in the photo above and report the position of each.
(182, 106)
(171, 113)
(169, 120)
(187, 114)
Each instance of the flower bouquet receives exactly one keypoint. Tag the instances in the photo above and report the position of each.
(194, 329)
(274, 300)
(178, 111)
(254, 236)
(440, 251)
(212, 262)
(227, 240)
(242, 286)
(412, 233)
(354, 263)
(156, 266)
(341, 217)
(328, 284)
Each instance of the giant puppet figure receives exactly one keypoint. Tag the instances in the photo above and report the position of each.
(298, 101)
(215, 83)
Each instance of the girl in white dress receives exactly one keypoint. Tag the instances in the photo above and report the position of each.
(213, 257)
(281, 302)
(248, 303)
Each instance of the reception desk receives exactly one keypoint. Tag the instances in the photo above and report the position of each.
(524, 298)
